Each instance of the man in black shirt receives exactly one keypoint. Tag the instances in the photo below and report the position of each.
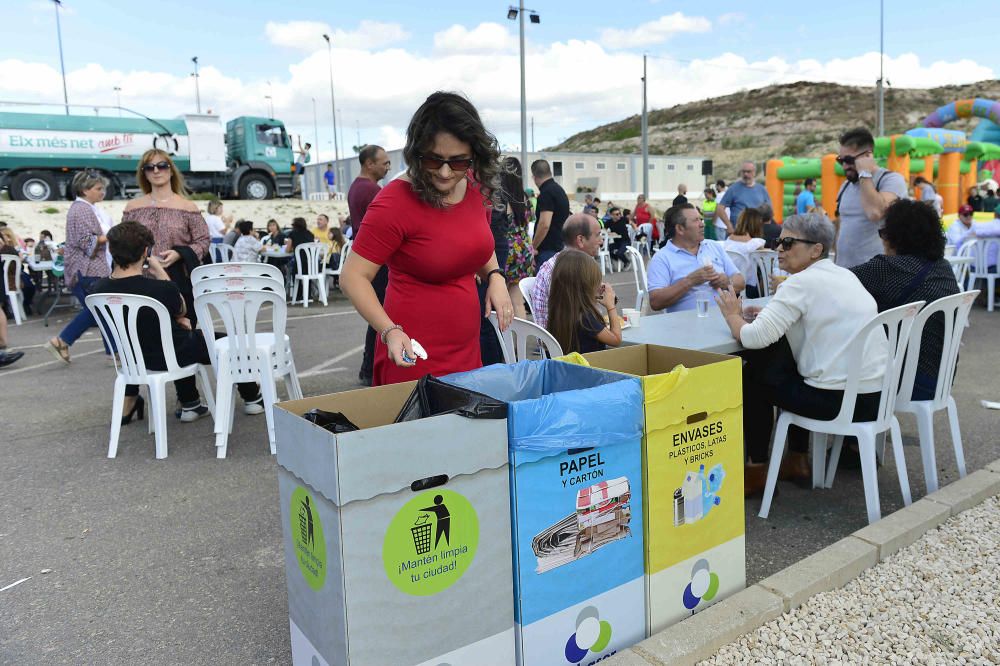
(681, 197)
(551, 212)
(619, 225)
(129, 243)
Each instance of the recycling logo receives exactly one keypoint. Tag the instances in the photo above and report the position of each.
(704, 585)
(592, 635)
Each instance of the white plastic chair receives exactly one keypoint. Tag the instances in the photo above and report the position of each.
(116, 315)
(897, 322)
(525, 285)
(345, 252)
(640, 245)
(221, 253)
(639, 274)
(514, 340)
(238, 283)
(960, 266)
(12, 286)
(604, 254)
(244, 355)
(765, 263)
(236, 269)
(308, 267)
(740, 260)
(955, 310)
(318, 196)
(980, 251)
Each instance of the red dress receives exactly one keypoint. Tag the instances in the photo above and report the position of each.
(433, 255)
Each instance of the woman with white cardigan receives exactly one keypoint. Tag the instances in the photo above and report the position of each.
(796, 347)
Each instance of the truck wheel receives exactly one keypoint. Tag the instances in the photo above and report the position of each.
(34, 186)
(256, 186)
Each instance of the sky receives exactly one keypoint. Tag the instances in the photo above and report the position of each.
(584, 58)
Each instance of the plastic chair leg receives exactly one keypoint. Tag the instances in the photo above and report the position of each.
(292, 385)
(897, 453)
(223, 415)
(831, 470)
(991, 284)
(158, 410)
(956, 436)
(925, 429)
(818, 442)
(117, 409)
(268, 390)
(15, 307)
(869, 474)
(206, 389)
(777, 453)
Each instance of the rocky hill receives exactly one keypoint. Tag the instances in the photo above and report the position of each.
(799, 119)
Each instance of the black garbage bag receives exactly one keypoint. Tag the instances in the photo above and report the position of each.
(333, 421)
(432, 397)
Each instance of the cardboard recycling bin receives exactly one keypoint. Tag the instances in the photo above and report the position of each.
(576, 483)
(692, 459)
(397, 535)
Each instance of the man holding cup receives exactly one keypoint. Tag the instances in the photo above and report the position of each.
(689, 267)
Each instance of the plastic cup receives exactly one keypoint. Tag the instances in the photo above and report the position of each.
(633, 318)
(702, 303)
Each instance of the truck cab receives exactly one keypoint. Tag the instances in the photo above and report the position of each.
(260, 157)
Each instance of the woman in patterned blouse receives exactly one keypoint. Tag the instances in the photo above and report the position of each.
(84, 254)
(913, 268)
(180, 232)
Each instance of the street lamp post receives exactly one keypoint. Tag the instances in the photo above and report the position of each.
(645, 135)
(62, 64)
(197, 87)
(518, 13)
(333, 113)
(315, 129)
(118, 98)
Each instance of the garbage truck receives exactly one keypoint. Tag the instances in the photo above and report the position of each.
(251, 158)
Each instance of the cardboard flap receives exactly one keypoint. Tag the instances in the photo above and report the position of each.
(382, 457)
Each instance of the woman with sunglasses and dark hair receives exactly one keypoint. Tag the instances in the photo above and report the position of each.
(796, 347)
(431, 227)
(85, 255)
(180, 233)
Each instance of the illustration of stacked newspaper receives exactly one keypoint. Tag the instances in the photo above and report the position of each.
(602, 516)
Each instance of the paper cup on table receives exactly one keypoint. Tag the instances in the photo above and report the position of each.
(632, 317)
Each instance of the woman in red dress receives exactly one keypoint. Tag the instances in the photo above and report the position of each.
(431, 227)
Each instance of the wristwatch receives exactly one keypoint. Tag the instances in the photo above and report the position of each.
(864, 174)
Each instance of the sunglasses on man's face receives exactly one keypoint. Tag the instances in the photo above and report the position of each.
(849, 160)
(159, 166)
(787, 242)
(455, 164)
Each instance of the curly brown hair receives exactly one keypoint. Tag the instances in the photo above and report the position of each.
(452, 113)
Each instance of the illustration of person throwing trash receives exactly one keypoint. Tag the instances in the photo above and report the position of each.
(443, 520)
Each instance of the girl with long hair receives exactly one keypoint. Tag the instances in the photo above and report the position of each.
(431, 227)
(748, 237)
(574, 318)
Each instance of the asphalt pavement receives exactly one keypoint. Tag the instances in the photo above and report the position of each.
(179, 561)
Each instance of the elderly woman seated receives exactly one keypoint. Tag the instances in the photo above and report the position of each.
(796, 356)
(913, 268)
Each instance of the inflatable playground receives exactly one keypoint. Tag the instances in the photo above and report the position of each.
(953, 161)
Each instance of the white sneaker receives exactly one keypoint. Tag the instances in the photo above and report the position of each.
(189, 414)
(254, 407)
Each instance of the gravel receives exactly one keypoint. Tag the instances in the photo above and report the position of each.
(935, 602)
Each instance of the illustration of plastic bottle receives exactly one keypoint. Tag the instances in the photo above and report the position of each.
(693, 505)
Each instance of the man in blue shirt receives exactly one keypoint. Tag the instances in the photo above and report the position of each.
(806, 201)
(688, 263)
(744, 193)
(328, 176)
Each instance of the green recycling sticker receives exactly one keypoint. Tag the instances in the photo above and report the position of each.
(430, 542)
(307, 538)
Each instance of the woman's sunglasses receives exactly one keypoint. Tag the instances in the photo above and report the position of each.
(159, 166)
(787, 242)
(435, 163)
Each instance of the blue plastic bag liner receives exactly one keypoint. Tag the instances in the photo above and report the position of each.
(574, 436)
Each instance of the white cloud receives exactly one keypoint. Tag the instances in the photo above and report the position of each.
(381, 88)
(732, 18)
(308, 35)
(655, 32)
(485, 38)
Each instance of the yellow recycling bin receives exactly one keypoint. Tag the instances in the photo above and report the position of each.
(692, 460)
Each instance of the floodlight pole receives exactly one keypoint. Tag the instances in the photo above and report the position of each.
(881, 75)
(197, 87)
(524, 103)
(333, 112)
(645, 135)
(62, 63)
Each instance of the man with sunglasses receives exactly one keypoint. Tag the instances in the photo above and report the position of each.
(744, 193)
(863, 199)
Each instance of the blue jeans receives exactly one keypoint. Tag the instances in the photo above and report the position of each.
(84, 319)
(543, 256)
